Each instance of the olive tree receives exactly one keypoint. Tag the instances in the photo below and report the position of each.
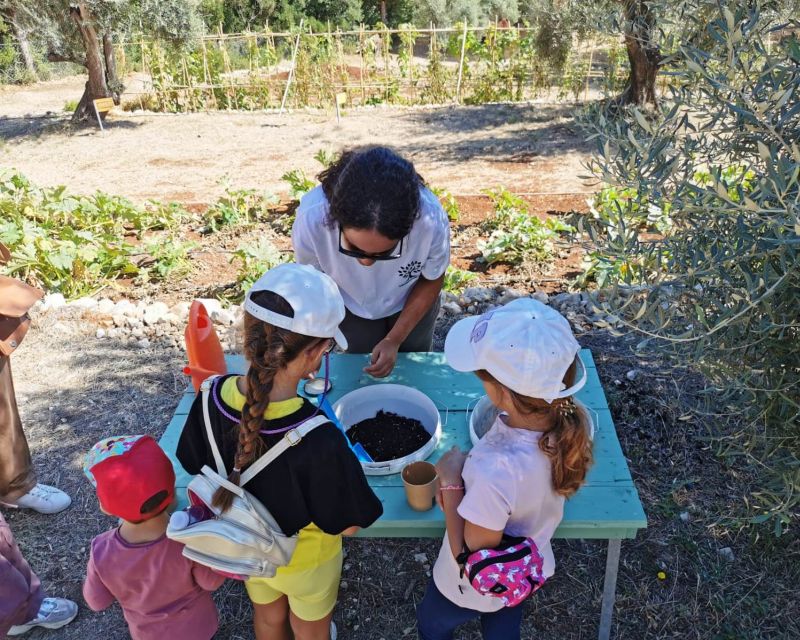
(84, 32)
(706, 252)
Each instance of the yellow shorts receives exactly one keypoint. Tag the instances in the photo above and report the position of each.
(312, 593)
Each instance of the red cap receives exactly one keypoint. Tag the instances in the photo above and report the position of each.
(131, 471)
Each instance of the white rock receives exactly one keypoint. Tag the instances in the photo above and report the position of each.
(421, 557)
(143, 343)
(113, 333)
(479, 294)
(542, 297)
(105, 306)
(632, 375)
(53, 301)
(685, 517)
(100, 333)
(727, 554)
(172, 318)
(450, 297)
(472, 309)
(211, 305)
(155, 313)
(83, 303)
(123, 307)
(451, 308)
(182, 310)
(509, 295)
(223, 317)
(137, 332)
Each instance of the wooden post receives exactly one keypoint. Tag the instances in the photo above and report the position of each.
(461, 63)
(361, 63)
(291, 70)
(589, 71)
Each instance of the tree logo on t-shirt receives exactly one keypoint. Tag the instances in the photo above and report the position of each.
(410, 272)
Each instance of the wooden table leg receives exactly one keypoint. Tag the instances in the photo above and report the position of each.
(609, 589)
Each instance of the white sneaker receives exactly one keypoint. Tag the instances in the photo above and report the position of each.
(53, 614)
(44, 499)
(334, 632)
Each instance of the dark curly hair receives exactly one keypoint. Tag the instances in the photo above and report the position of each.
(373, 188)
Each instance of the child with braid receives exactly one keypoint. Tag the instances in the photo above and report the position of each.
(316, 488)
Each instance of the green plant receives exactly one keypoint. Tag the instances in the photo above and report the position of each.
(70, 106)
(516, 235)
(455, 280)
(326, 158)
(238, 206)
(78, 244)
(299, 183)
(254, 261)
(166, 259)
(449, 203)
(718, 290)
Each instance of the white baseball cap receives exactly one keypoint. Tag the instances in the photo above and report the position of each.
(314, 297)
(525, 345)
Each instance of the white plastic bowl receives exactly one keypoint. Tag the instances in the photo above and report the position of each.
(483, 415)
(364, 403)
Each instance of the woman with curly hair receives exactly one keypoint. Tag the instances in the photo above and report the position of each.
(379, 232)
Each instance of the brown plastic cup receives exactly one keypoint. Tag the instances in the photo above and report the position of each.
(421, 483)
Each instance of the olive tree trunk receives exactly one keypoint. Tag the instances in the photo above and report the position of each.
(112, 80)
(643, 53)
(96, 86)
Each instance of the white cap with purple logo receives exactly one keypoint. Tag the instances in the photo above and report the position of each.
(525, 345)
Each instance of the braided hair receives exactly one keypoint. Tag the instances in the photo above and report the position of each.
(373, 188)
(268, 349)
(566, 442)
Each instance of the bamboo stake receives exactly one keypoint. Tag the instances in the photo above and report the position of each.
(589, 71)
(361, 64)
(461, 63)
(291, 70)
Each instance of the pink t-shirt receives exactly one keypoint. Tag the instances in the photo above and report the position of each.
(162, 594)
(509, 488)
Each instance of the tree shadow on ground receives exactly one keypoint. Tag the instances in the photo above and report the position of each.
(37, 127)
(513, 133)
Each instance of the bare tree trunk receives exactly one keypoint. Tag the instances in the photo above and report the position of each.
(96, 87)
(21, 35)
(112, 80)
(643, 53)
(383, 11)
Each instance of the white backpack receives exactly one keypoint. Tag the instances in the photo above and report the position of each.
(244, 540)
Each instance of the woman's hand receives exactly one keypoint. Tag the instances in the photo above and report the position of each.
(384, 357)
(450, 466)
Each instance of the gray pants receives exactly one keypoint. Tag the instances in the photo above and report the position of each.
(362, 334)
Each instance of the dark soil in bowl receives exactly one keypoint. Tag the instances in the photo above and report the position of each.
(388, 436)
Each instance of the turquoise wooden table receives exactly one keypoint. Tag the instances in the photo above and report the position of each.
(607, 507)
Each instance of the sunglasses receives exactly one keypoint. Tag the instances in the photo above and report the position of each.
(385, 255)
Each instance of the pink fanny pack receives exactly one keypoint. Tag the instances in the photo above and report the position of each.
(511, 571)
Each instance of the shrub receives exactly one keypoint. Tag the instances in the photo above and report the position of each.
(254, 261)
(717, 287)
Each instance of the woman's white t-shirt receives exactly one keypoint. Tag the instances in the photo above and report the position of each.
(508, 488)
(380, 290)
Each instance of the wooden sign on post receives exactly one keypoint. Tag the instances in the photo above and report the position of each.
(102, 105)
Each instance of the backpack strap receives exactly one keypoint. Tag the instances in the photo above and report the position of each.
(206, 389)
(289, 439)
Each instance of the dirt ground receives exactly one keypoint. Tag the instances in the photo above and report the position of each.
(527, 148)
(74, 389)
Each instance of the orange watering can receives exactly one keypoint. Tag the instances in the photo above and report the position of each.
(202, 347)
